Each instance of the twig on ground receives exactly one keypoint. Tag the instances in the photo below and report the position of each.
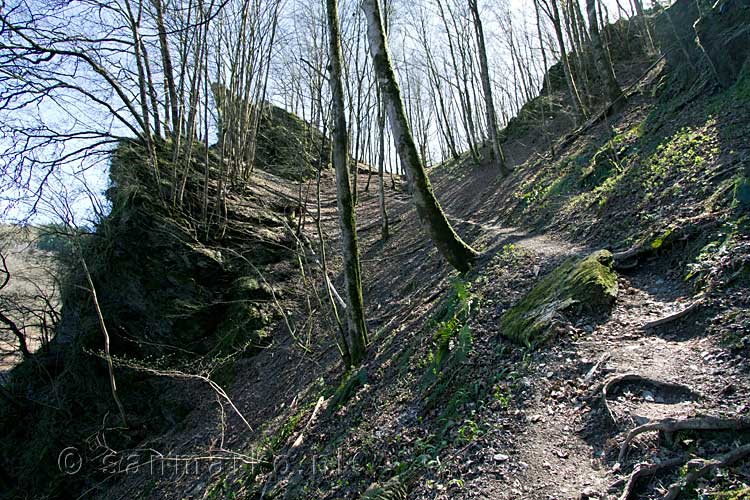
(298, 442)
(590, 374)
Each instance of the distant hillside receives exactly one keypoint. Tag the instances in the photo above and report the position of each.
(30, 299)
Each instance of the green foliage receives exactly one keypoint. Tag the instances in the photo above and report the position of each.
(452, 333)
(660, 240)
(738, 494)
(688, 151)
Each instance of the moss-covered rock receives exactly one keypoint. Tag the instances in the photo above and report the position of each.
(582, 284)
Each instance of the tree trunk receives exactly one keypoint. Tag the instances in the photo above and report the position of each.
(384, 229)
(167, 68)
(646, 29)
(553, 12)
(453, 248)
(492, 128)
(603, 64)
(356, 327)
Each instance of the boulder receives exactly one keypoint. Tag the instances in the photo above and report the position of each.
(586, 284)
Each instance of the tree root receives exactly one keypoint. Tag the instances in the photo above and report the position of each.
(673, 317)
(671, 425)
(645, 470)
(634, 377)
(699, 468)
(661, 240)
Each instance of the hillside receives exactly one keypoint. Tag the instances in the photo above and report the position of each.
(621, 247)
(29, 297)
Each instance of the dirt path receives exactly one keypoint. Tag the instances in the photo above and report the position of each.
(552, 442)
(557, 444)
(560, 446)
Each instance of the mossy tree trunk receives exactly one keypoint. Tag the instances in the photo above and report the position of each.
(355, 315)
(484, 68)
(450, 245)
(603, 64)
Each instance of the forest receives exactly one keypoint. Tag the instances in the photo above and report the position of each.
(375, 249)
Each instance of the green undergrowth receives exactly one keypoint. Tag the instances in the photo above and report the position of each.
(583, 284)
(681, 152)
(452, 336)
(738, 494)
(451, 394)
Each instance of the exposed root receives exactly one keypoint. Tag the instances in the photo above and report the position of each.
(671, 425)
(673, 317)
(698, 468)
(644, 470)
(634, 377)
(661, 240)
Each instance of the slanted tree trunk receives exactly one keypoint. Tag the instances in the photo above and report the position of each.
(603, 64)
(355, 315)
(484, 69)
(450, 245)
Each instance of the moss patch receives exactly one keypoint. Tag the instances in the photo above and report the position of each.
(588, 283)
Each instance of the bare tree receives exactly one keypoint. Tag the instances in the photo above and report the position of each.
(453, 248)
(552, 10)
(356, 327)
(492, 127)
(603, 64)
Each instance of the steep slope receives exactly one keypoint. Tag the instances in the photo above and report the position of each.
(445, 405)
(183, 297)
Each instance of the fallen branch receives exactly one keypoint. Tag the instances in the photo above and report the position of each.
(661, 240)
(699, 468)
(645, 470)
(298, 442)
(590, 374)
(671, 425)
(673, 317)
